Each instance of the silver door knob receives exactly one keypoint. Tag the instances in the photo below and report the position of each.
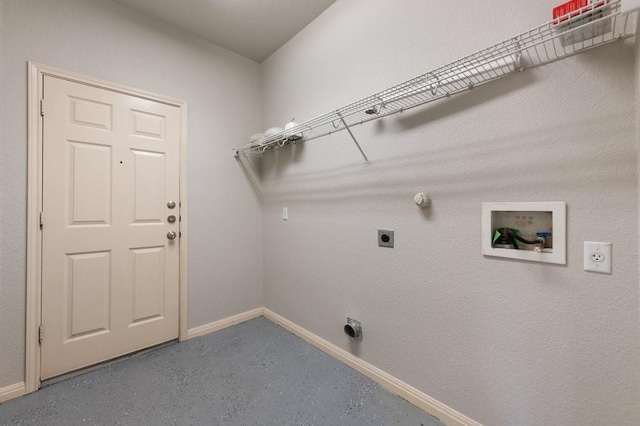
(171, 235)
(171, 204)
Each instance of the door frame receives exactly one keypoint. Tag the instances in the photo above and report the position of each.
(36, 73)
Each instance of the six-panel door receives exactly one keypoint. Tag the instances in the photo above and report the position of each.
(110, 274)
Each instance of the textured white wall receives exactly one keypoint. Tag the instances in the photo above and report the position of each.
(504, 342)
(223, 91)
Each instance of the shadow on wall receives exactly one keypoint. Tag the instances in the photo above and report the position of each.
(531, 167)
(255, 168)
(529, 153)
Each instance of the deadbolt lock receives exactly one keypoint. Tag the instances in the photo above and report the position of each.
(171, 219)
(171, 204)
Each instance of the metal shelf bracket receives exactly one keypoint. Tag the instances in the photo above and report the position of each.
(366, 160)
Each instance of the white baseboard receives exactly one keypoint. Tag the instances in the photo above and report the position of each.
(12, 391)
(201, 330)
(434, 407)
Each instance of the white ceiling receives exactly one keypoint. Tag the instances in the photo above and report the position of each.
(252, 28)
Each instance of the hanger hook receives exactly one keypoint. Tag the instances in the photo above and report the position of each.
(434, 88)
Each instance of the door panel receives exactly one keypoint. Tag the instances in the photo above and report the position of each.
(88, 289)
(110, 275)
(148, 125)
(148, 283)
(90, 179)
(148, 176)
(86, 112)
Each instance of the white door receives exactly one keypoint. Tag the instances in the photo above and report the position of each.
(110, 273)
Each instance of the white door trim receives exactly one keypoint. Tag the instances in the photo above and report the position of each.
(34, 205)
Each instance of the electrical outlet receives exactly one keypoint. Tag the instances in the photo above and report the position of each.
(385, 238)
(597, 257)
(285, 213)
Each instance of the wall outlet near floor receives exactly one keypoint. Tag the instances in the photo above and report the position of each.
(285, 213)
(597, 257)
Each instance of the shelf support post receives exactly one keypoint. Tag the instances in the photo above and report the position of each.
(366, 160)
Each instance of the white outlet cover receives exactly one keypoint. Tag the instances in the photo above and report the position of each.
(597, 257)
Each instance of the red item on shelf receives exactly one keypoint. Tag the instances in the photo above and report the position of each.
(568, 7)
(565, 10)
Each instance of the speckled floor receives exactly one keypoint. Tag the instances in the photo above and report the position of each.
(254, 373)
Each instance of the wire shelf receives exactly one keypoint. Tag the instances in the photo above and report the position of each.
(584, 29)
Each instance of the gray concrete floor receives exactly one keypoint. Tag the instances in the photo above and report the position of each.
(254, 373)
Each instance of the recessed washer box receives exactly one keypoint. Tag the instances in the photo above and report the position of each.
(531, 220)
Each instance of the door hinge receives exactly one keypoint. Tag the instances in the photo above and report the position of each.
(41, 220)
(42, 107)
(40, 335)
